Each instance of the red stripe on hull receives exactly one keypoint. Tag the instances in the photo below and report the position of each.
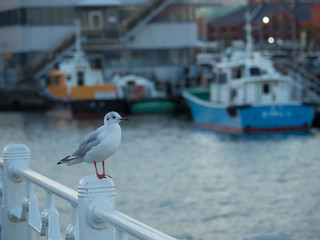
(277, 129)
(220, 128)
(252, 130)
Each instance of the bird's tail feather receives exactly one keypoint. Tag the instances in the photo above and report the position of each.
(67, 159)
(74, 161)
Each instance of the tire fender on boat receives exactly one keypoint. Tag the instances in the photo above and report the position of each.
(139, 92)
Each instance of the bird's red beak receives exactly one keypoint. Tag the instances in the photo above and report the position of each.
(124, 119)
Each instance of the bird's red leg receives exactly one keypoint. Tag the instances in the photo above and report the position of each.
(104, 173)
(95, 166)
(100, 176)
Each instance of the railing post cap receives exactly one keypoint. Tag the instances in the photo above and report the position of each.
(94, 180)
(15, 157)
(16, 148)
(91, 185)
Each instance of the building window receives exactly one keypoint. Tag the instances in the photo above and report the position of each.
(9, 18)
(46, 16)
(95, 20)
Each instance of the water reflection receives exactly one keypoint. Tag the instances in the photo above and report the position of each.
(189, 182)
(256, 136)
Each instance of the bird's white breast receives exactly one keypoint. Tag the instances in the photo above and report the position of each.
(110, 139)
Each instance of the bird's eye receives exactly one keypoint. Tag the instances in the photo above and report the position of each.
(113, 117)
(107, 118)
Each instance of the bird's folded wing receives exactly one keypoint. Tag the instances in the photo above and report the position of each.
(87, 143)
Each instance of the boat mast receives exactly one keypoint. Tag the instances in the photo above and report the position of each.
(78, 54)
(78, 35)
(248, 28)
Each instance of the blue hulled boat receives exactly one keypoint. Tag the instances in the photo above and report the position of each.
(248, 95)
(247, 118)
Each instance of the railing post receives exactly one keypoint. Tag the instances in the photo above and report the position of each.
(13, 225)
(93, 192)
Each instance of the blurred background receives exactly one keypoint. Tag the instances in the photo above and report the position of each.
(161, 40)
(64, 64)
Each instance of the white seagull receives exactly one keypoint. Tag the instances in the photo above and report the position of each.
(98, 145)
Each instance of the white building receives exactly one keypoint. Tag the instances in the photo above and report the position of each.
(117, 35)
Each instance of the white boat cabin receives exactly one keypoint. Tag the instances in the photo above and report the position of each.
(135, 87)
(79, 72)
(242, 80)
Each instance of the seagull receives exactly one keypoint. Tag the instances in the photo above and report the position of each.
(98, 145)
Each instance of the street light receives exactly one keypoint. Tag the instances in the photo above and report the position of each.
(270, 40)
(265, 20)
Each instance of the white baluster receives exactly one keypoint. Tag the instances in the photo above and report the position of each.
(72, 231)
(120, 235)
(30, 232)
(93, 192)
(34, 216)
(14, 191)
(50, 218)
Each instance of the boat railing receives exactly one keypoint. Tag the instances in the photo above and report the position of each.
(92, 212)
(150, 10)
(308, 81)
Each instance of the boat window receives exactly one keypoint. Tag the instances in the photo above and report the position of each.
(233, 94)
(220, 77)
(236, 73)
(255, 71)
(266, 88)
(97, 63)
(80, 78)
(56, 80)
(131, 83)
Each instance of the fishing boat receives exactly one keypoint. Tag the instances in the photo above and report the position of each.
(142, 95)
(81, 94)
(76, 90)
(248, 95)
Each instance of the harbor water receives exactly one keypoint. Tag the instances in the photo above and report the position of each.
(191, 183)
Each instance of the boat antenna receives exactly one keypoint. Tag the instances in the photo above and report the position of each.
(78, 54)
(248, 29)
(78, 35)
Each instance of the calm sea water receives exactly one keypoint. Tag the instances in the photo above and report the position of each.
(188, 182)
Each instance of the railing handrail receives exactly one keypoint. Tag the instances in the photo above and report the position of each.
(130, 225)
(89, 190)
(48, 184)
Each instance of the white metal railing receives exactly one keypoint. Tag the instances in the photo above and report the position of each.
(93, 215)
